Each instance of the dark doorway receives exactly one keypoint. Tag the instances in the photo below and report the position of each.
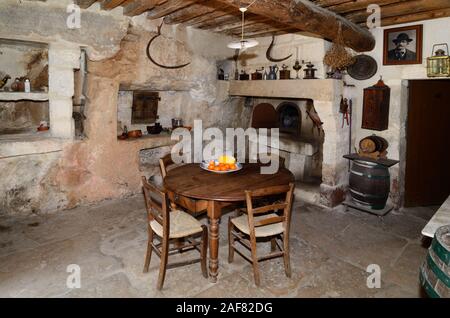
(427, 178)
(289, 118)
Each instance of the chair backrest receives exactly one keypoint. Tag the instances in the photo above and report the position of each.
(284, 205)
(164, 164)
(156, 203)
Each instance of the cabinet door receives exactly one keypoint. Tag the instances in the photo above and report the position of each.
(375, 109)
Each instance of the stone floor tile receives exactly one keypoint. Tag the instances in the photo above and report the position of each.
(397, 223)
(234, 286)
(42, 272)
(12, 237)
(363, 245)
(116, 286)
(330, 250)
(335, 278)
(405, 271)
(423, 212)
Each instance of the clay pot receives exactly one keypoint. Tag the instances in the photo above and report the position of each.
(43, 128)
(135, 133)
(18, 85)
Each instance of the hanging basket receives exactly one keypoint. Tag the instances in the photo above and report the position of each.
(338, 57)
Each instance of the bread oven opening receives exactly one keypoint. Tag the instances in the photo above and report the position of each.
(289, 119)
(301, 135)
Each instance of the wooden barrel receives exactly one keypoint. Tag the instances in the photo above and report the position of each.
(435, 271)
(369, 184)
(373, 143)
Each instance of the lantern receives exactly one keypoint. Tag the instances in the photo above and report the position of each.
(439, 64)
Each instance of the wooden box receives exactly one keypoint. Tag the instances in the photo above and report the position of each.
(376, 107)
(285, 74)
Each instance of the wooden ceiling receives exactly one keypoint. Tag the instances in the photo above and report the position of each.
(222, 15)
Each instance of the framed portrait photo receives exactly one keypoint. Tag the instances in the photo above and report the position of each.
(403, 45)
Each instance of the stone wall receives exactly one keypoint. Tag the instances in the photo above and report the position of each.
(307, 49)
(44, 174)
(396, 77)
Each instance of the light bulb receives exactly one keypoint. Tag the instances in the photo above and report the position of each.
(243, 44)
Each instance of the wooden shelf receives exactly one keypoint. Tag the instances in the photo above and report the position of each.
(17, 96)
(316, 89)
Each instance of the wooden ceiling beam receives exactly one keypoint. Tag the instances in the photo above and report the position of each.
(360, 5)
(110, 4)
(209, 16)
(223, 20)
(258, 28)
(238, 24)
(84, 4)
(327, 3)
(399, 9)
(140, 6)
(270, 32)
(427, 15)
(169, 7)
(306, 16)
(191, 12)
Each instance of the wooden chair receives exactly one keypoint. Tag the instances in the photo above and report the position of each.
(169, 226)
(164, 164)
(270, 221)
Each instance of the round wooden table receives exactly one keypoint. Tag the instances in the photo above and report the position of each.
(196, 189)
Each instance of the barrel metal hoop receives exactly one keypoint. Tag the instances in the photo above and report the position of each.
(426, 285)
(366, 164)
(441, 252)
(367, 195)
(369, 176)
(438, 272)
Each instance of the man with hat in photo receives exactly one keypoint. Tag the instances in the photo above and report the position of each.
(401, 53)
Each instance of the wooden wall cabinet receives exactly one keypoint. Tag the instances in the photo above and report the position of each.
(376, 107)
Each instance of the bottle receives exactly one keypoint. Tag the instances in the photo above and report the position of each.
(27, 86)
(15, 86)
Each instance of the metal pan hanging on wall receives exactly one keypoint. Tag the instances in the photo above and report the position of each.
(364, 67)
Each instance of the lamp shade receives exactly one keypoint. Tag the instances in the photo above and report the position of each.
(244, 44)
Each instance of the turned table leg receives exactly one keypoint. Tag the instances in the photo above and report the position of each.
(214, 213)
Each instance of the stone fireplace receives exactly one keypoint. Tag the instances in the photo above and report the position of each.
(298, 144)
(286, 96)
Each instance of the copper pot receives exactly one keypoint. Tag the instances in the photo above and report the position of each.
(135, 133)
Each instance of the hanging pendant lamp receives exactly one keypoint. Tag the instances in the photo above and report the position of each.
(243, 43)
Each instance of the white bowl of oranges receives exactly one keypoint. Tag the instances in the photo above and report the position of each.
(225, 164)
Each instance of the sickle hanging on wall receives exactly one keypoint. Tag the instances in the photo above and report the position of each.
(156, 63)
(269, 51)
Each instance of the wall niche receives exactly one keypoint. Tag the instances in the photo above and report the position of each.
(22, 111)
(137, 109)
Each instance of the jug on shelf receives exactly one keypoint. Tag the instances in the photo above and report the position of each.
(273, 72)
